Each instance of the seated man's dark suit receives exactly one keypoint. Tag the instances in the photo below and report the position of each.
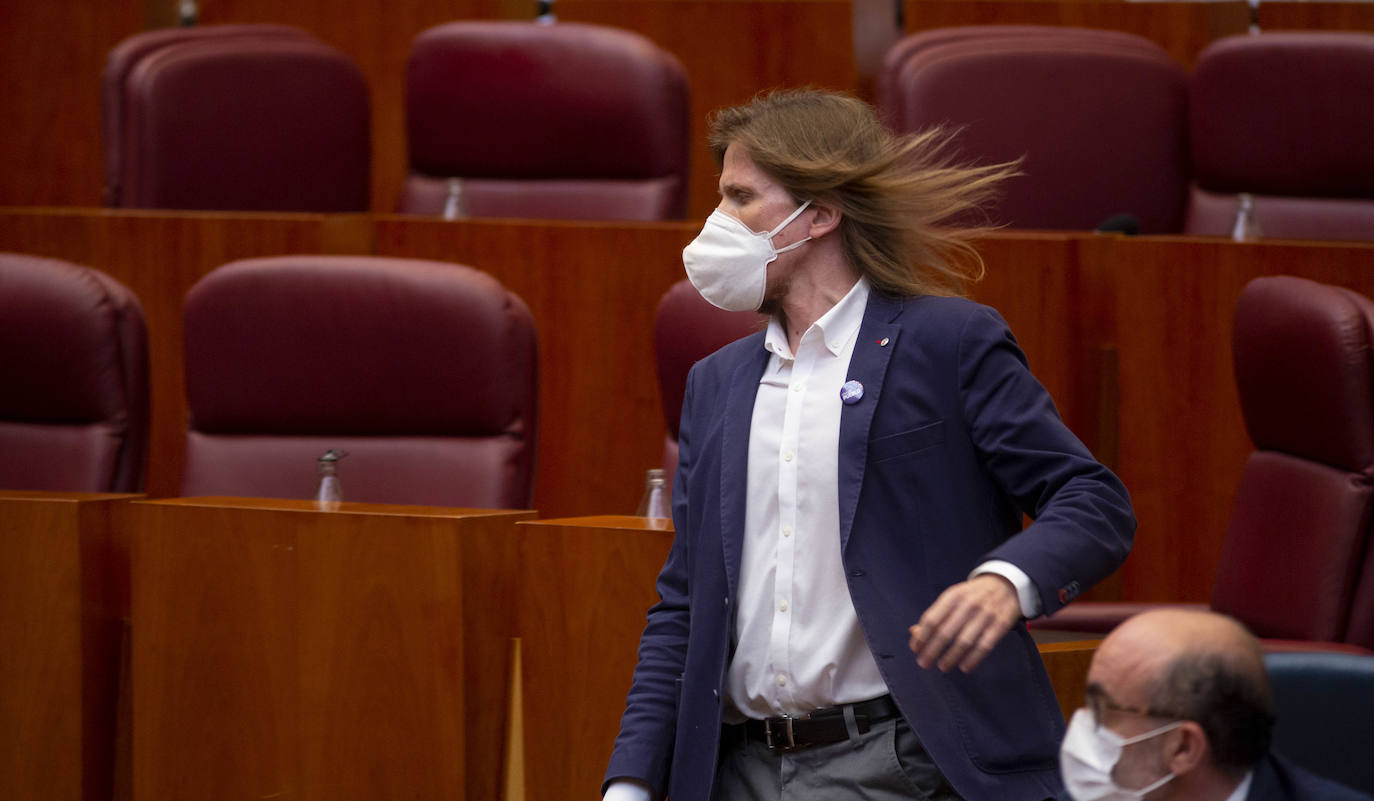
(952, 440)
(1277, 779)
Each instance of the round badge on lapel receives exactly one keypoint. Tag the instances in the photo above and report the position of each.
(851, 392)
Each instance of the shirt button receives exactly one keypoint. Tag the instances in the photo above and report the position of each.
(787, 531)
(787, 457)
(782, 607)
(796, 387)
(782, 680)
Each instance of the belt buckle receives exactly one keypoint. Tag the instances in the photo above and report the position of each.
(776, 746)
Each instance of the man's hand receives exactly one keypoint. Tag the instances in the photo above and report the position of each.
(965, 622)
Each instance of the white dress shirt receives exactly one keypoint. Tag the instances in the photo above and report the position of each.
(798, 644)
(1243, 789)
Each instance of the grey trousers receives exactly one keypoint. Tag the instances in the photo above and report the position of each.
(887, 763)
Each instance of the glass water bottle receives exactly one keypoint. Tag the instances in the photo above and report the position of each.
(654, 504)
(1246, 228)
(330, 493)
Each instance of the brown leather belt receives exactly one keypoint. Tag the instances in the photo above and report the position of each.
(821, 727)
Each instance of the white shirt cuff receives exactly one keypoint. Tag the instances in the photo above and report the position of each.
(627, 790)
(1026, 593)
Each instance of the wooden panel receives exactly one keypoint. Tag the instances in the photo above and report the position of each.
(1286, 15)
(51, 57)
(280, 651)
(1067, 663)
(63, 581)
(1181, 28)
(733, 49)
(1034, 282)
(1183, 442)
(160, 257)
(593, 290)
(588, 584)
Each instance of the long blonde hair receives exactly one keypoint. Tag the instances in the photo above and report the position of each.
(896, 195)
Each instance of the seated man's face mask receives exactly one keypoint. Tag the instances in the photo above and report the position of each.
(728, 263)
(1090, 753)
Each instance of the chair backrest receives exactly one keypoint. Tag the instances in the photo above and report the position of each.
(1360, 631)
(271, 123)
(426, 373)
(1284, 117)
(687, 329)
(1102, 127)
(126, 55)
(1322, 702)
(568, 121)
(889, 100)
(1299, 530)
(74, 365)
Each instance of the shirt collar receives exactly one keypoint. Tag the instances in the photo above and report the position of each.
(1243, 789)
(837, 326)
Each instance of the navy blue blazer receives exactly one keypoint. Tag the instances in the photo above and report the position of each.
(1277, 779)
(951, 442)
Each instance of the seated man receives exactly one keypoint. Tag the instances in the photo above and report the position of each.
(1178, 707)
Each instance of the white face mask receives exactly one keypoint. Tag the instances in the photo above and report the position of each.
(728, 263)
(1090, 752)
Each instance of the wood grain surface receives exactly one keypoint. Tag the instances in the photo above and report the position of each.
(586, 586)
(63, 590)
(284, 652)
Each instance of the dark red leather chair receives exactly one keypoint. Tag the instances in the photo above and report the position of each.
(426, 373)
(126, 55)
(889, 100)
(1284, 117)
(1102, 126)
(74, 367)
(1299, 535)
(271, 121)
(567, 121)
(1361, 629)
(687, 329)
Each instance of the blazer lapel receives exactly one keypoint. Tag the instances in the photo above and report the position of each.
(872, 352)
(734, 456)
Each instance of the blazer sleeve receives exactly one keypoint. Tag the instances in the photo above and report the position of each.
(1083, 524)
(644, 747)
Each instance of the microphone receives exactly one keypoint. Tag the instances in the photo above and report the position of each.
(1119, 224)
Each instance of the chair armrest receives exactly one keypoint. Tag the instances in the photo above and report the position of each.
(1100, 617)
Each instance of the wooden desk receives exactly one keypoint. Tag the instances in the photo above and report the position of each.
(586, 585)
(1066, 655)
(281, 651)
(63, 590)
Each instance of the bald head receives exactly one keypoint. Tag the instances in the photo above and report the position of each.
(1151, 643)
(1197, 666)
